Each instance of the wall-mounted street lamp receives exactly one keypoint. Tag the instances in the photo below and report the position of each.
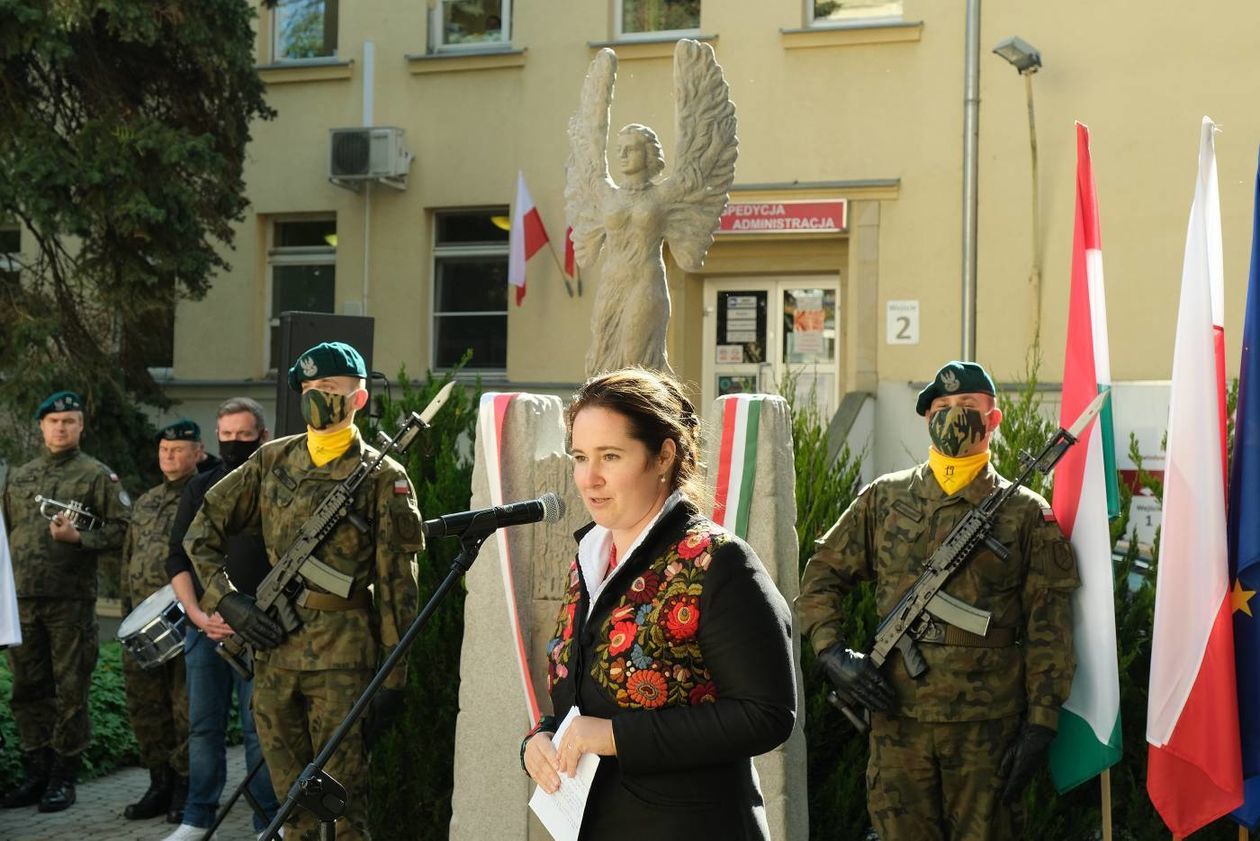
(1026, 58)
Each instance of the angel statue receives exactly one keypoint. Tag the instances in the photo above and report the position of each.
(632, 303)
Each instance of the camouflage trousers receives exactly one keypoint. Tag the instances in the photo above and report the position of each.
(157, 704)
(52, 673)
(938, 781)
(296, 712)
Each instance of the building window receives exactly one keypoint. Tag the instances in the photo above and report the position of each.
(826, 12)
(470, 290)
(468, 24)
(10, 249)
(651, 17)
(304, 29)
(302, 264)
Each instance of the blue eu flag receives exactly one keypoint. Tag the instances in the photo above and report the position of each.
(1244, 538)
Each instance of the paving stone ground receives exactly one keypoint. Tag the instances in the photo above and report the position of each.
(97, 814)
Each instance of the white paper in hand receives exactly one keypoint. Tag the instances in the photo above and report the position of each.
(561, 813)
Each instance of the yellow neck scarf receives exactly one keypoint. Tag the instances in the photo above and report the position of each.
(326, 446)
(955, 473)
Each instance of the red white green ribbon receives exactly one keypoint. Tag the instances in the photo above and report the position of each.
(737, 461)
(493, 408)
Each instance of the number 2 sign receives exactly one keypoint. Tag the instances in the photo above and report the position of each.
(902, 325)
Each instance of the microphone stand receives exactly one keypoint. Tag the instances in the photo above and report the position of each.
(315, 790)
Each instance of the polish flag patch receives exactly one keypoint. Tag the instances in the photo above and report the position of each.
(402, 487)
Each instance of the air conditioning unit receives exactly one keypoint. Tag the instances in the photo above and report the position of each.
(367, 154)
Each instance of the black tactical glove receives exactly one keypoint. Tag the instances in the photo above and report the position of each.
(1025, 755)
(386, 707)
(252, 624)
(856, 678)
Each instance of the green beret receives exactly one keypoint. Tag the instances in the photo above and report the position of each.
(181, 430)
(327, 359)
(61, 401)
(956, 378)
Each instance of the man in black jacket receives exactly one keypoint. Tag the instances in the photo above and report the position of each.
(241, 428)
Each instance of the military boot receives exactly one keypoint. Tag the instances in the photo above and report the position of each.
(154, 801)
(61, 779)
(179, 793)
(27, 793)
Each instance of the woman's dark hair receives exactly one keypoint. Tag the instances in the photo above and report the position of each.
(654, 404)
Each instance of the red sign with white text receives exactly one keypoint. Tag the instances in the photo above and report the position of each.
(785, 217)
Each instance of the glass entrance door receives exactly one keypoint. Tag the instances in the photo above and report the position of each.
(757, 331)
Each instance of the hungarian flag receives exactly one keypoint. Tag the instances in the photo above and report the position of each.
(1086, 496)
(1194, 772)
(1244, 537)
(527, 236)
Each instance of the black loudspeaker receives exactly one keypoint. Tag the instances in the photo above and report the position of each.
(301, 331)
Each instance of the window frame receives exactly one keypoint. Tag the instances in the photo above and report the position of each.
(438, 251)
(619, 34)
(303, 255)
(811, 22)
(277, 58)
(437, 44)
(11, 261)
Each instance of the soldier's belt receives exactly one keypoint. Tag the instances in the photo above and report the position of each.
(359, 600)
(939, 633)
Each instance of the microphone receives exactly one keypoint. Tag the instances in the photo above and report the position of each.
(548, 508)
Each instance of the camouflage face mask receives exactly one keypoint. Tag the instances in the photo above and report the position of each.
(956, 429)
(322, 409)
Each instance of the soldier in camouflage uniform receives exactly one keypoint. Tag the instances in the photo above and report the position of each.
(952, 751)
(54, 566)
(306, 683)
(157, 697)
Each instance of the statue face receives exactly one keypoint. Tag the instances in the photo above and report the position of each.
(631, 153)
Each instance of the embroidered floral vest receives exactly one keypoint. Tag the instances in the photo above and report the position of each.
(648, 655)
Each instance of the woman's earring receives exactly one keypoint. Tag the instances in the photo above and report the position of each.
(662, 478)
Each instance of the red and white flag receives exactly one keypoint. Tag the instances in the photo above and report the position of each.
(570, 258)
(527, 236)
(1194, 772)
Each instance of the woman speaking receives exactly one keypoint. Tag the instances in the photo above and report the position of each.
(672, 641)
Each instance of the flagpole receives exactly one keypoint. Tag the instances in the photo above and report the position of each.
(551, 247)
(1242, 833)
(1105, 780)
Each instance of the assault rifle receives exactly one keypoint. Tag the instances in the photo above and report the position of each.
(284, 585)
(913, 617)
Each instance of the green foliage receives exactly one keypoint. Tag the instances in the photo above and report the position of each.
(837, 757)
(113, 743)
(123, 127)
(1025, 428)
(412, 775)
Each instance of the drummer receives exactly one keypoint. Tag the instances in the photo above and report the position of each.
(157, 698)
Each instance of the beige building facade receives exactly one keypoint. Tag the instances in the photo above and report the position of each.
(842, 262)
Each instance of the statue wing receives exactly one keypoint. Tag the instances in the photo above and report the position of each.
(587, 184)
(704, 166)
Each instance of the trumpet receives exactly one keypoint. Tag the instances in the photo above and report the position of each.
(79, 515)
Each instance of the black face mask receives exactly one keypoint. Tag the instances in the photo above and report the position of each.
(235, 453)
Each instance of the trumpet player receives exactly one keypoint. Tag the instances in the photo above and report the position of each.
(54, 567)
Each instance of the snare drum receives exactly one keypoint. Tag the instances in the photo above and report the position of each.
(154, 631)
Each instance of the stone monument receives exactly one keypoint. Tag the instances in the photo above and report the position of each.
(631, 315)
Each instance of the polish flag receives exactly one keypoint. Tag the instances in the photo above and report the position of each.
(527, 236)
(1086, 495)
(1194, 772)
(570, 258)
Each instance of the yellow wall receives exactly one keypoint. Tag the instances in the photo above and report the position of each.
(842, 111)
